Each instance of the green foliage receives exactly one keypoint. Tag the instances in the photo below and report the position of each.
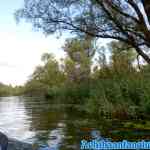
(118, 88)
(113, 89)
(121, 20)
(34, 87)
(45, 78)
(8, 90)
(78, 61)
(76, 93)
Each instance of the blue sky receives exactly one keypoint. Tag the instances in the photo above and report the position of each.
(20, 47)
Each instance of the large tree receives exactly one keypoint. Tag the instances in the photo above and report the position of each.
(78, 61)
(124, 20)
(122, 58)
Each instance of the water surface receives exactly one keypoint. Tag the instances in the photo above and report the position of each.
(36, 120)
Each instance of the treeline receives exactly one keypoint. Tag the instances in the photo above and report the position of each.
(114, 87)
(8, 90)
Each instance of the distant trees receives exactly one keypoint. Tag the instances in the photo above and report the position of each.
(51, 74)
(122, 20)
(111, 87)
(45, 76)
(69, 75)
(6, 90)
(75, 70)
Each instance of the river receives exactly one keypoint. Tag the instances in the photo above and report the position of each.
(36, 120)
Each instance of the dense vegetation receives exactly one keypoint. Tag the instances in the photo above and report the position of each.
(117, 86)
(8, 90)
(114, 87)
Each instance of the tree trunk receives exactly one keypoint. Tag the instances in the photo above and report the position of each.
(146, 4)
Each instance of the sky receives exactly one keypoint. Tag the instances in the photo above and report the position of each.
(21, 47)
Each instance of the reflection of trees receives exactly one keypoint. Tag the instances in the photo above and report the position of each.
(79, 126)
(43, 116)
(46, 118)
(74, 121)
(71, 120)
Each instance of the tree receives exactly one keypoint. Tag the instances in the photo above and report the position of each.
(121, 20)
(6, 90)
(122, 58)
(45, 77)
(146, 5)
(46, 57)
(79, 55)
(50, 73)
(101, 60)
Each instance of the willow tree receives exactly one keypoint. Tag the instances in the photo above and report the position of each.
(124, 20)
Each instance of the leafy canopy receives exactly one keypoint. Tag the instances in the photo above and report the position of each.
(122, 20)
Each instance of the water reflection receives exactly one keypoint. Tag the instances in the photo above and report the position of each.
(36, 120)
(13, 119)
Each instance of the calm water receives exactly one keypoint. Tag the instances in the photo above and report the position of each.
(35, 120)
